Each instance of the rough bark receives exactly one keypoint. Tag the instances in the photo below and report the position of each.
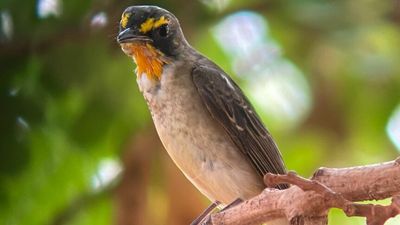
(307, 201)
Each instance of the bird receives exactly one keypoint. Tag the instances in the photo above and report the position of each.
(205, 122)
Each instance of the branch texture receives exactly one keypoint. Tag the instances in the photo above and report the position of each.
(307, 201)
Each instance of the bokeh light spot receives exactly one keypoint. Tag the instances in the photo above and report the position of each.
(47, 8)
(99, 20)
(393, 128)
(108, 171)
(13, 92)
(6, 26)
(284, 94)
(241, 32)
(218, 5)
(22, 128)
(277, 86)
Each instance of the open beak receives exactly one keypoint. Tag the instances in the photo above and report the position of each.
(129, 36)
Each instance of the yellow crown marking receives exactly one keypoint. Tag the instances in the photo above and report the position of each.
(160, 22)
(151, 23)
(147, 25)
(124, 19)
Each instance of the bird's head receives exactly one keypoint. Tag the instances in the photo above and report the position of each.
(152, 36)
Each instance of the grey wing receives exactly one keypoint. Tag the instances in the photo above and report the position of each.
(229, 106)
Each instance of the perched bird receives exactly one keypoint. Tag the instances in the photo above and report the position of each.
(205, 122)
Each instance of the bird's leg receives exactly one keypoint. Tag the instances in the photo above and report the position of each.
(207, 218)
(232, 204)
(205, 213)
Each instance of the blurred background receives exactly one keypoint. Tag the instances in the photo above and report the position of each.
(77, 143)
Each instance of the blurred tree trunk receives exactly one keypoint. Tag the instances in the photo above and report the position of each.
(130, 195)
(185, 202)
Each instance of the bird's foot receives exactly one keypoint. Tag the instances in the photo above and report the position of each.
(205, 217)
(232, 204)
(205, 213)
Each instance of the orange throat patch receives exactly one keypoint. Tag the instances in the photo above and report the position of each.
(148, 59)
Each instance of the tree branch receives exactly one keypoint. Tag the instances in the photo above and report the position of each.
(307, 201)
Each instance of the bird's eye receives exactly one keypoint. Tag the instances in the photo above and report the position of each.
(163, 30)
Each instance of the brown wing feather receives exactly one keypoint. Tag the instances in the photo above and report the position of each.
(228, 105)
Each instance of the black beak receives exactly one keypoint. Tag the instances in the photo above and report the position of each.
(128, 36)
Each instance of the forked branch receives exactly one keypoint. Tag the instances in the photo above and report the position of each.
(307, 201)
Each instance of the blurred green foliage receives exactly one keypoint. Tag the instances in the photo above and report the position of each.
(69, 96)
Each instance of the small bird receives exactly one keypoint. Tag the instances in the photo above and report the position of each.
(205, 122)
